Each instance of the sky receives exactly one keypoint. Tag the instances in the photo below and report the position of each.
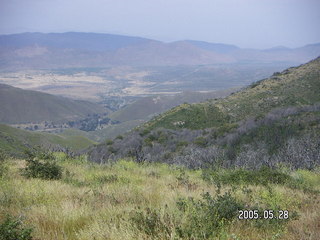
(245, 23)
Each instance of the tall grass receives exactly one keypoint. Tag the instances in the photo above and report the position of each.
(127, 200)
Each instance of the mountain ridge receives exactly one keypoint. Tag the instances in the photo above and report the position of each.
(39, 50)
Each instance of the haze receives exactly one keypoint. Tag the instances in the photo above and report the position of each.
(246, 23)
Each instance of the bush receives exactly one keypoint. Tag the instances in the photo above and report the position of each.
(120, 137)
(144, 132)
(12, 229)
(109, 142)
(208, 216)
(42, 165)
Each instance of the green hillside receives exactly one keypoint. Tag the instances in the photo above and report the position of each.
(24, 106)
(109, 132)
(147, 107)
(14, 141)
(298, 86)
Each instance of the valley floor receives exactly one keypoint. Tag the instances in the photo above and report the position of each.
(127, 200)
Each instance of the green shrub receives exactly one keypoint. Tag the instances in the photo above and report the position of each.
(195, 219)
(148, 142)
(12, 229)
(144, 132)
(109, 142)
(42, 165)
(112, 149)
(163, 138)
(119, 137)
(207, 217)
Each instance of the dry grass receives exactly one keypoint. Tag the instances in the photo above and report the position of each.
(96, 202)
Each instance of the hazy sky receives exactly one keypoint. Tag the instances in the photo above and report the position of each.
(246, 23)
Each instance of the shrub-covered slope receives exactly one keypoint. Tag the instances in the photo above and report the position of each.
(274, 121)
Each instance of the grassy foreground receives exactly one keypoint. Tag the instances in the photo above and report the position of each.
(158, 201)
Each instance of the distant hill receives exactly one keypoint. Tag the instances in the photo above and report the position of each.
(72, 49)
(15, 141)
(25, 106)
(71, 40)
(215, 47)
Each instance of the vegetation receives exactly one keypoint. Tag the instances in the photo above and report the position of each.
(127, 200)
(292, 140)
(243, 167)
(269, 123)
(3, 167)
(12, 229)
(42, 165)
(15, 141)
(293, 87)
(146, 107)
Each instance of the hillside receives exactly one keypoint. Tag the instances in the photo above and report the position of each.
(142, 110)
(146, 107)
(296, 86)
(72, 49)
(271, 122)
(15, 141)
(24, 106)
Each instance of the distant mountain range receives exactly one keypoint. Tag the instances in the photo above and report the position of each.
(25, 106)
(72, 49)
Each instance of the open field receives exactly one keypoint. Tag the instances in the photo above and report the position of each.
(127, 200)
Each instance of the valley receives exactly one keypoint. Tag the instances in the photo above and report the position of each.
(149, 152)
(131, 91)
(116, 137)
(100, 84)
(160, 120)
